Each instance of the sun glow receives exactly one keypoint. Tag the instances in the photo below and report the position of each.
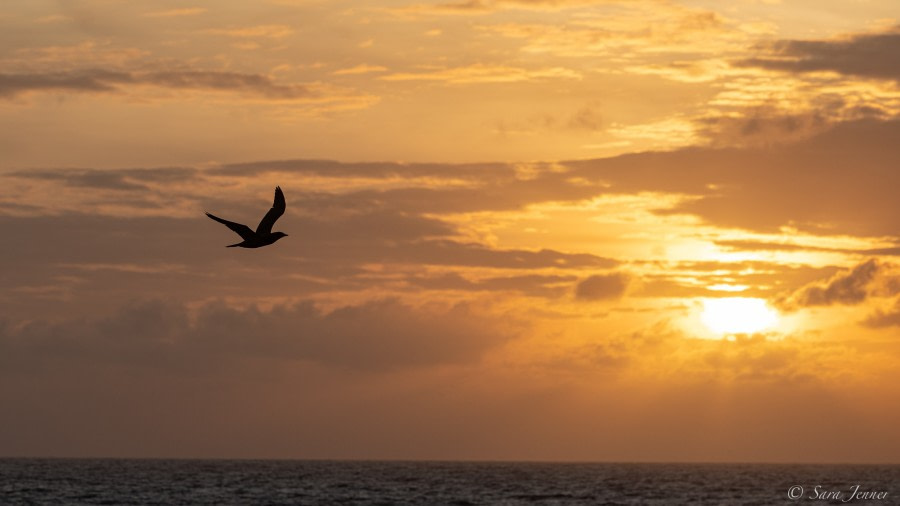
(737, 315)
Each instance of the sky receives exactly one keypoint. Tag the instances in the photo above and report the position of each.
(589, 230)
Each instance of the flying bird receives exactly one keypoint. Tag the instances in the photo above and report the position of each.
(263, 235)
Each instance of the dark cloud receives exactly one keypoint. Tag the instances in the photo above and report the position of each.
(465, 6)
(393, 237)
(742, 245)
(765, 126)
(475, 172)
(476, 187)
(117, 179)
(376, 336)
(447, 252)
(866, 55)
(255, 84)
(894, 251)
(486, 6)
(533, 284)
(586, 118)
(515, 194)
(603, 286)
(98, 80)
(840, 181)
(881, 319)
(848, 287)
(81, 263)
(747, 245)
(83, 81)
(100, 179)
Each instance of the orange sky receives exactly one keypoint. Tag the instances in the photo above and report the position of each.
(612, 230)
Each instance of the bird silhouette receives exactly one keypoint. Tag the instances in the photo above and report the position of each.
(263, 235)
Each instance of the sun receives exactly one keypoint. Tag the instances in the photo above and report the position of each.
(737, 315)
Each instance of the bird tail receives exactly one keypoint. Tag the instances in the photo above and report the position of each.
(233, 245)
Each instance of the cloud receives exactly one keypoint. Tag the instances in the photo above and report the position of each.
(631, 33)
(817, 184)
(586, 118)
(87, 81)
(603, 286)
(492, 5)
(378, 335)
(482, 73)
(760, 279)
(478, 7)
(537, 285)
(448, 252)
(124, 179)
(253, 32)
(312, 99)
(883, 319)
(688, 71)
(81, 262)
(748, 245)
(228, 81)
(188, 11)
(85, 56)
(474, 172)
(96, 80)
(846, 287)
(874, 55)
(360, 69)
(765, 126)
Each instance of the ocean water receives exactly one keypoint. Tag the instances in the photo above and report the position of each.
(238, 482)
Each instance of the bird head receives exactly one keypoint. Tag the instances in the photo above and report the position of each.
(279, 235)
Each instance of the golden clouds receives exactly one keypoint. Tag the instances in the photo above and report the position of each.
(631, 31)
(360, 69)
(480, 73)
(258, 31)
(483, 7)
(303, 99)
(660, 75)
(187, 11)
(499, 265)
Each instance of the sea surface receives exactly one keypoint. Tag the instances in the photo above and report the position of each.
(270, 482)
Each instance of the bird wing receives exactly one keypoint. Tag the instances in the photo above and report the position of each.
(278, 207)
(242, 230)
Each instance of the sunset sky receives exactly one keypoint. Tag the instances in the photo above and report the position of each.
(605, 230)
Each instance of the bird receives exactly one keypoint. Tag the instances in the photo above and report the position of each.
(263, 235)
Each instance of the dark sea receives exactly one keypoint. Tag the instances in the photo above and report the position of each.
(270, 482)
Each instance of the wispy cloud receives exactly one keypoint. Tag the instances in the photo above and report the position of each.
(478, 7)
(254, 32)
(360, 69)
(171, 13)
(638, 30)
(96, 80)
(483, 73)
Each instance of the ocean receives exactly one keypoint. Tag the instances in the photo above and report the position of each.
(287, 482)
